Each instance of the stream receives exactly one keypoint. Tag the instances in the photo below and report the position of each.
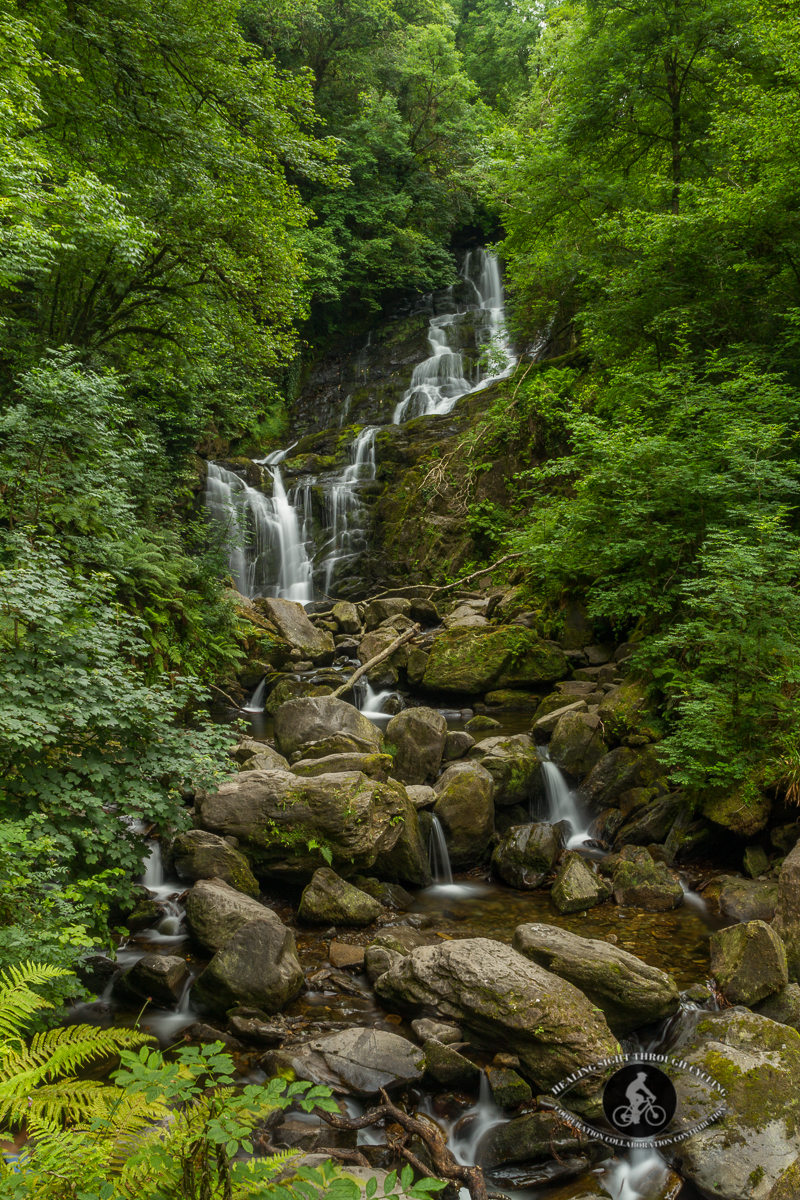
(296, 540)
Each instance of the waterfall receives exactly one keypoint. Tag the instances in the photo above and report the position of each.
(346, 536)
(439, 381)
(438, 855)
(256, 702)
(562, 805)
(266, 544)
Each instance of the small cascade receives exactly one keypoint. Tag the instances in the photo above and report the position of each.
(344, 513)
(439, 381)
(472, 1126)
(562, 804)
(258, 699)
(641, 1174)
(374, 704)
(438, 855)
(266, 545)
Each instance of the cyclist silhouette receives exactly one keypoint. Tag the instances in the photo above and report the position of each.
(641, 1104)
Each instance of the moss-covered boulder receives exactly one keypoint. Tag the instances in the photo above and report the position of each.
(508, 1089)
(284, 822)
(526, 854)
(748, 962)
(288, 687)
(447, 1068)
(787, 911)
(629, 992)
(384, 674)
(416, 738)
(744, 810)
(576, 885)
(407, 860)
(625, 710)
(533, 1137)
(513, 700)
(158, 977)
(377, 611)
(782, 1006)
(456, 744)
(640, 882)
(258, 967)
(329, 900)
(514, 766)
(201, 855)
(651, 824)
(505, 1002)
(577, 742)
(345, 615)
(491, 658)
(376, 766)
(292, 623)
(746, 899)
(465, 807)
(619, 771)
(747, 1152)
(215, 911)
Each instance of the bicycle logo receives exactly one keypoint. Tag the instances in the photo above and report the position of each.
(639, 1100)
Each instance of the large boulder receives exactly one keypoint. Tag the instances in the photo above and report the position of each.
(514, 766)
(787, 911)
(472, 660)
(782, 1006)
(289, 688)
(640, 882)
(356, 1061)
(378, 611)
(743, 810)
(629, 992)
(284, 822)
(198, 854)
(252, 755)
(504, 1003)
(748, 962)
(750, 1150)
(417, 738)
(577, 742)
(407, 860)
(618, 772)
(625, 711)
(533, 1137)
(465, 807)
(258, 967)
(300, 723)
(377, 766)
(345, 615)
(329, 900)
(215, 911)
(652, 824)
(384, 674)
(748, 899)
(576, 885)
(526, 854)
(159, 977)
(290, 619)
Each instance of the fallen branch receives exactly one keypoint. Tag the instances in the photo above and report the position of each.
(444, 1164)
(230, 699)
(401, 641)
(445, 587)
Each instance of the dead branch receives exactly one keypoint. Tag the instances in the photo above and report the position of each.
(230, 699)
(408, 636)
(444, 1164)
(445, 587)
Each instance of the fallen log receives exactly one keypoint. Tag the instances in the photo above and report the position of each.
(445, 587)
(408, 636)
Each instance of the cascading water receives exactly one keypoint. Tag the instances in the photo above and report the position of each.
(266, 549)
(346, 536)
(562, 805)
(258, 699)
(438, 855)
(439, 381)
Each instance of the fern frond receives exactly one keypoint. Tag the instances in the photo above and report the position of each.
(67, 1100)
(65, 1050)
(17, 1002)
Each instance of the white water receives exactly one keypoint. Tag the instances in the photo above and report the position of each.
(441, 380)
(258, 699)
(562, 805)
(344, 512)
(370, 702)
(641, 1174)
(438, 855)
(266, 545)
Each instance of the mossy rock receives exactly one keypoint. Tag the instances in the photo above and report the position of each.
(626, 711)
(744, 810)
(289, 688)
(480, 660)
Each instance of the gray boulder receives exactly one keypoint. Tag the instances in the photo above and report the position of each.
(292, 623)
(376, 766)
(201, 855)
(640, 882)
(748, 1153)
(345, 615)
(748, 899)
(619, 771)
(161, 977)
(425, 1029)
(782, 1006)
(378, 611)
(514, 766)
(544, 726)
(328, 900)
(258, 966)
(748, 962)
(282, 821)
(576, 885)
(577, 743)
(465, 808)
(357, 1061)
(215, 912)
(787, 912)
(526, 854)
(629, 992)
(505, 1002)
(530, 1138)
(651, 824)
(420, 795)
(448, 1068)
(417, 736)
(456, 744)
(299, 723)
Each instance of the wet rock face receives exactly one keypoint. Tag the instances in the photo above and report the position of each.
(787, 912)
(753, 1148)
(478, 660)
(257, 966)
(749, 962)
(639, 882)
(301, 722)
(629, 992)
(465, 808)
(577, 742)
(502, 1002)
(159, 976)
(576, 885)
(514, 766)
(282, 820)
(526, 854)
(215, 912)
(201, 855)
(329, 900)
(357, 1061)
(292, 623)
(417, 737)
(530, 1138)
